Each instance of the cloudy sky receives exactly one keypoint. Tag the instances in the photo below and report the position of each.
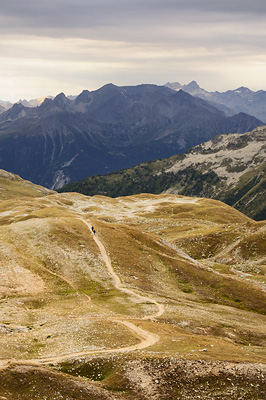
(51, 46)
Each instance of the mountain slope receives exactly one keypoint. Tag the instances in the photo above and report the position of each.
(231, 101)
(230, 168)
(12, 186)
(4, 105)
(165, 298)
(105, 130)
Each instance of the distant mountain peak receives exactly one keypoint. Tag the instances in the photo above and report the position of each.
(15, 112)
(60, 96)
(45, 102)
(82, 97)
(16, 109)
(24, 102)
(243, 90)
(61, 100)
(230, 102)
(173, 85)
(192, 86)
(18, 106)
(108, 86)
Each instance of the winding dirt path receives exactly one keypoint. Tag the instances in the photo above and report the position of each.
(146, 338)
(117, 282)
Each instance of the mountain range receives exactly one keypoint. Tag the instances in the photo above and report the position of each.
(230, 102)
(231, 168)
(34, 102)
(163, 299)
(5, 105)
(63, 140)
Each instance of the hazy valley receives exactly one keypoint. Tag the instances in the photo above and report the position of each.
(166, 300)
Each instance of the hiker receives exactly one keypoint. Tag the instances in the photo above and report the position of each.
(93, 230)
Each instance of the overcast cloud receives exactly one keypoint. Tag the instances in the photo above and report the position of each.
(61, 45)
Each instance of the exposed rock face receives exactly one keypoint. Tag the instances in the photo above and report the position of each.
(105, 130)
(229, 156)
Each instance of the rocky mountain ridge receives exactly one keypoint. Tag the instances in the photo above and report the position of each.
(36, 102)
(231, 102)
(114, 127)
(5, 105)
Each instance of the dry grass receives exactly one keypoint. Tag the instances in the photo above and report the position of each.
(12, 186)
(57, 296)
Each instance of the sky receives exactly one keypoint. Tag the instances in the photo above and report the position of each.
(53, 46)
